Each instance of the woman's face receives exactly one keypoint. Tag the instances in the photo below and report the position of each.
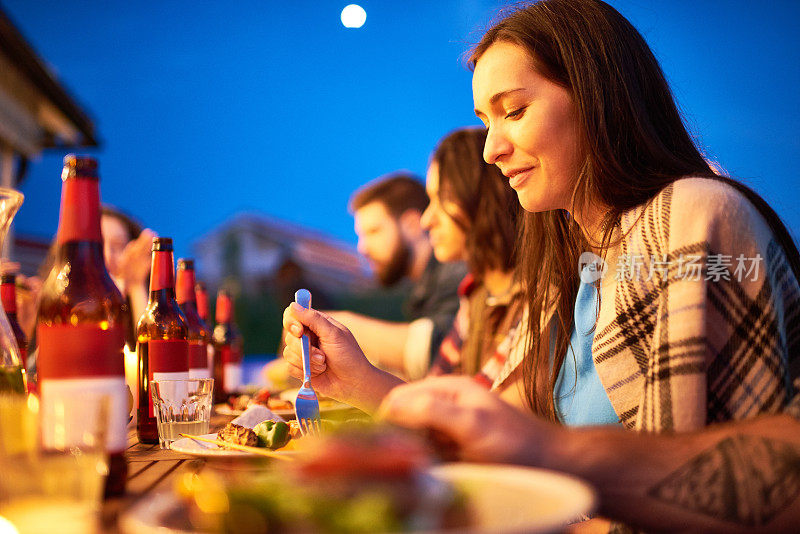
(448, 240)
(532, 127)
(115, 237)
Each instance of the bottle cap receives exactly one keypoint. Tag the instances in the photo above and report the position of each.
(162, 244)
(79, 166)
(185, 264)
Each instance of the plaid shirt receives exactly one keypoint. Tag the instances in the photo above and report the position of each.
(699, 317)
(486, 339)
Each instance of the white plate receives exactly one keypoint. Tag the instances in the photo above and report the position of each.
(501, 499)
(201, 448)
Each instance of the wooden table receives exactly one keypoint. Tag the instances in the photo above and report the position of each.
(151, 469)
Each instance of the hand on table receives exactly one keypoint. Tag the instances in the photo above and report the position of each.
(337, 363)
(482, 427)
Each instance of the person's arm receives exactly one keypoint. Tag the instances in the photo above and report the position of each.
(736, 477)
(339, 368)
(742, 476)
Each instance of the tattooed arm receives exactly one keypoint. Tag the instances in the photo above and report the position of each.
(739, 476)
(742, 476)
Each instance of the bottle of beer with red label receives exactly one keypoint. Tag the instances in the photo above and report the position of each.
(8, 296)
(79, 327)
(199, 334)
(227, 350)
(162, 337)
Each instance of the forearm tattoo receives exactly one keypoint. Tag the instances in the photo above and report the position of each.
(746, 480)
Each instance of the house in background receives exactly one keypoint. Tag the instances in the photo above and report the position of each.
(36, 113)
(262, 254)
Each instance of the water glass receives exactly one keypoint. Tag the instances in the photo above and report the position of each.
(181, 407)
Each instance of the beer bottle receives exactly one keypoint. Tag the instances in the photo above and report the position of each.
(162, 338)
(79, 327)
(227, 350)
(199, 335)
(201, 294)
(8, 296)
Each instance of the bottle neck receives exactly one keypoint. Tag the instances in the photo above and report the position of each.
(162, 274)
(184, 286)
(80, 253)
(223, 311)
(202, 304)
(8, 296)
(79, 215)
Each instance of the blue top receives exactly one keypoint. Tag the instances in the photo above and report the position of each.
(584, 403)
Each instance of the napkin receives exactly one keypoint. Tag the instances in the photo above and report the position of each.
(254, 414)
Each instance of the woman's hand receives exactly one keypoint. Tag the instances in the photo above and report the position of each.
(482, 427)
(134, 262)
(338, 366)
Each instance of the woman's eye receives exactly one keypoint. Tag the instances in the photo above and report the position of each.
(515, 113)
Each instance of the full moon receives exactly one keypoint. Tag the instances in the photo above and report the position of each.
(353, 16)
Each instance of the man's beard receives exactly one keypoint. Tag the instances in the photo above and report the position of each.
(396, 268)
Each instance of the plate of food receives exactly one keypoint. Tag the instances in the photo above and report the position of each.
(258, 432)
(368, 481)
(281, 404)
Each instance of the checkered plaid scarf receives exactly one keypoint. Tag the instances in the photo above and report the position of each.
(699, 315)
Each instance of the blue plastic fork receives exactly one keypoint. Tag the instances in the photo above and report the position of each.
(306, 405)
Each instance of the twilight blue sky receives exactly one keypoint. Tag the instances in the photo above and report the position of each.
(208, 108)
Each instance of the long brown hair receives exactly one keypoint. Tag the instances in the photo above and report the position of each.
(489, 211)
(635, 144)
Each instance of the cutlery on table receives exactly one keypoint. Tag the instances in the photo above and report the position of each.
(306, 405)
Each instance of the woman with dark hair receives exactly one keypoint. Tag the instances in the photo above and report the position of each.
(471, 217)
(696, 319)
(126, 250)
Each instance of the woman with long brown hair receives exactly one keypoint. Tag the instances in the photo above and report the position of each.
(695, 280)
(472, 217)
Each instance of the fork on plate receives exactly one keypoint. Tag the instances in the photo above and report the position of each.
(306, 405)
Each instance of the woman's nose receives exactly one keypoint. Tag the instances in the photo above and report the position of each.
(496, 146)
(426, 220)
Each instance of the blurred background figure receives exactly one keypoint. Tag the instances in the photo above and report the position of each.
(472, 216)
(387, 214)
(28, 290)
(126, 248)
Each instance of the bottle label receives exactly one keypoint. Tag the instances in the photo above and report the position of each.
(169, 360)
(230, 354)
(73, 408)
(82, 350)
(83, 361)
(232, 377)
(198, 355)
(8, 296)
(79, 219)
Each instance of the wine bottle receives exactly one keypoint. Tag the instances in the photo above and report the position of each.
(79, 327)
(162, 338)
(199, 335)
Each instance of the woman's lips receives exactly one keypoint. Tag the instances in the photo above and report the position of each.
(518, 178)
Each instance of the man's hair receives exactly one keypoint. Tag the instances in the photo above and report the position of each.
(398, 192)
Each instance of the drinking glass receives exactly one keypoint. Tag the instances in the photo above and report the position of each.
(58, 489)
(181, 407)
